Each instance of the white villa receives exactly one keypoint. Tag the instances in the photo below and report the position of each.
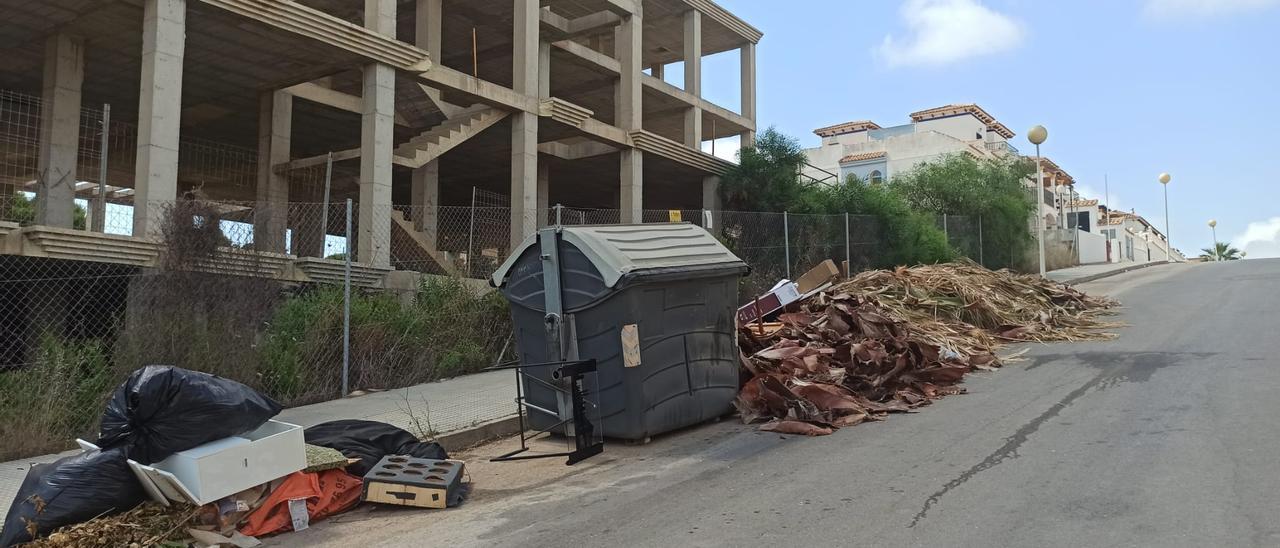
(875, 153)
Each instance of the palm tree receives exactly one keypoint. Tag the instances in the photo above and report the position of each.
(1221, 251)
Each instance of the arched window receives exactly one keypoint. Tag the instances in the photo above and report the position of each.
(875, 177)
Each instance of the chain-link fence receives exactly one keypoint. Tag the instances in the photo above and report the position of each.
(256, 291)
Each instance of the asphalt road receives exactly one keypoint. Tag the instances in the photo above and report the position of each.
(1168, 436)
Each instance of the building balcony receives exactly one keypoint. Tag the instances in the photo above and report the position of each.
(1002, 148)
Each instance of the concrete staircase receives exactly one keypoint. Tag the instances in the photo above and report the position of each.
(81, 245)
(329, 271)
(442, 259)
(434, 142)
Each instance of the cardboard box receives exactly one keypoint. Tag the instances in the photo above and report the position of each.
(817, 276)
(411, 481)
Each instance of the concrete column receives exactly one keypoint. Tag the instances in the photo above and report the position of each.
(373, 243)
(630, 116)
(526, 79)
(524, 175)
(59, 130)
(544, 193)
(711, 201)
(425, 188)
(631, 186)
(429, 15)
(748, 109)
(693, 77)
(659, 71)
(308, 235)
(271, 212)
(544, 169)
(425, 196)
(164, 25)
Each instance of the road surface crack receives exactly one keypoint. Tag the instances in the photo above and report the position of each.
(1010, 447)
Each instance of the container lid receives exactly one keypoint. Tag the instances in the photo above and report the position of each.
(618, 250)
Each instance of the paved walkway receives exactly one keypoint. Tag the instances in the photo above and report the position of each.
(1087, 272)
(432, 408)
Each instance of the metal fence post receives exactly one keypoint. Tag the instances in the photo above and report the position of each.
(100, 203)
(946, 233)
(559, 212)
(471, 233)
(786, 241)
(848, 259)
(346, 310)
(981, 260)
(324, 206)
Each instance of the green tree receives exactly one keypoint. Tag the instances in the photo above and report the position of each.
(993, 190)
(767, 175)
(906, 236)
(22, 210)
(1221, 251)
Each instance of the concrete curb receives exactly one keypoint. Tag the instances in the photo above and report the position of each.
(476, 435)
(1108, 274)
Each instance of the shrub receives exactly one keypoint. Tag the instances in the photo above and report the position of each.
(447, 329)
(992, 190)
(907, 236)
(55, 399)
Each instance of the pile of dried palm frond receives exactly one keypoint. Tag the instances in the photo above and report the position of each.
(150, 524)
(891, 341)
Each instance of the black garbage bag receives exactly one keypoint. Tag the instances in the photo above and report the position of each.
(161, 409)
(72, 490)
(369, 441)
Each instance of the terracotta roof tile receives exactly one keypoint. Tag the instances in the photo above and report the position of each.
(971, 108)
(862, 157)
(847, 127)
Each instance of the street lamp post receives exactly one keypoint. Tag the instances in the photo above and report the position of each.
(1037, 135)
(1217, 254)
(1168, 239)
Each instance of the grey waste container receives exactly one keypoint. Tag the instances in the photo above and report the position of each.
(675, 283)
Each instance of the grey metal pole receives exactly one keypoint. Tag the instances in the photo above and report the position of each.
(559, 212)
(946, 233)
(1168, 240)
(471, 232)
(324, 205)
(981, 260)
(786, 241)
(1217, 255)
(346, 310)
(100, 204)
(848, 259)
(1039, 201)
(1075, 231)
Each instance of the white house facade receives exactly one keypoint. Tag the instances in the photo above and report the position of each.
(874, 153)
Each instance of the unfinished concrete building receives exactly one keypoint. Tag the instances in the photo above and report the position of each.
(420, 105)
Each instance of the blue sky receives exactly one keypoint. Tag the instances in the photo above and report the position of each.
(1127, 89)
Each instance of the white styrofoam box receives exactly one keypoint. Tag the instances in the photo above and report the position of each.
(203, 474)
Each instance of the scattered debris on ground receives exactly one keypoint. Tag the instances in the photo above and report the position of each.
(889, 341)
(150, 524)
(167, 431)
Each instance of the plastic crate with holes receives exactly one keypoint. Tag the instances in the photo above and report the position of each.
(412, 481)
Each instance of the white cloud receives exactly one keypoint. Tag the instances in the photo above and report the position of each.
(944, 31)
(1195, 9)
(1261, 239)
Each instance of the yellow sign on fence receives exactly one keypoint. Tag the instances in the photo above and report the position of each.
(675, 215)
